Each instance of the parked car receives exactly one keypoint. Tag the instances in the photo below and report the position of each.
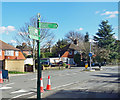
(46, 63)
(60, 63)
(99, 64)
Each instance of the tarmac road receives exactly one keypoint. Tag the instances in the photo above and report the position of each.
(68, 83)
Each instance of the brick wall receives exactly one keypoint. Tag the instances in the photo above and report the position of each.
(14, 65)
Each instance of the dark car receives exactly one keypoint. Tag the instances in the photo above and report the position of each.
(60, 63)
(99, 64)
(46, 63)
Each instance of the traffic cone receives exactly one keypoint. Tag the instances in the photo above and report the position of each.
(49, 84)
(41, 87)
(1, 79)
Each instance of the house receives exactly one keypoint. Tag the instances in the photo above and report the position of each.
(11, 58)
(68, 56)
(25, 49)
(69, 51)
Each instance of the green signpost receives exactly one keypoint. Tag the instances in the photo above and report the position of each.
(49, 25)
(34, 33)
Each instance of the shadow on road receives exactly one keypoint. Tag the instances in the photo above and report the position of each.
(110, 75)
(82, 94)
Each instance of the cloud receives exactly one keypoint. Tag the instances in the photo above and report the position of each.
(111, 16)
(7, 29)
(2, 29)
(13, 41)
(110, 13)
(80, 29)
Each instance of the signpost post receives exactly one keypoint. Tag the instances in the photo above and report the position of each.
(39, 67)
(34, 33)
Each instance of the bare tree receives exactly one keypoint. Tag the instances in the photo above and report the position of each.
(23, 36)
(73, 36)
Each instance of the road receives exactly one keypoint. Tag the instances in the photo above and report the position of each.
(67, 83)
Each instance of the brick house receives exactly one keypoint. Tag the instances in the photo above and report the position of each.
(25, 49)
(11, 58)
(69, 51)
(68, 55)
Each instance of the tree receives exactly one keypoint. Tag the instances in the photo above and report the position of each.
(101, 54)
(23, 35)
(104, 36)
(74, 36)
(115, 54)
(86, 38)
(104, 40)
(58, 48)
(77, 58)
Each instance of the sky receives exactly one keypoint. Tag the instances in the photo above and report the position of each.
(70, 16)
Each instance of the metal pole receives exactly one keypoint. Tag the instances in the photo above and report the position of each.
(90, 57)
(39, 67)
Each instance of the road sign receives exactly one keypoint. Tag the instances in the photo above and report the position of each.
(48, 25)
(90, 54)
(33, 30)
(34, 37)
(33, 33)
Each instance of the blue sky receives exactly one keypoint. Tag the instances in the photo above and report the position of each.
(78, 16)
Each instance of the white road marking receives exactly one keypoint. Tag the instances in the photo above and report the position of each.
(5, 88)
(34, 79)
(23, 94)
(19, 91)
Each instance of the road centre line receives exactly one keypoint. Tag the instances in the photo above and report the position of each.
(23, 94)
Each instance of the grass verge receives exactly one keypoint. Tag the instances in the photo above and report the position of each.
(16, 72)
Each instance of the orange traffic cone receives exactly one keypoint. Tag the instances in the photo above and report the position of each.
(41, 87)
(49, 84)
(1, 79)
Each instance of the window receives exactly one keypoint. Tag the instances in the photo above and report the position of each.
(16, 53)
(9, 52)
(0, 52)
